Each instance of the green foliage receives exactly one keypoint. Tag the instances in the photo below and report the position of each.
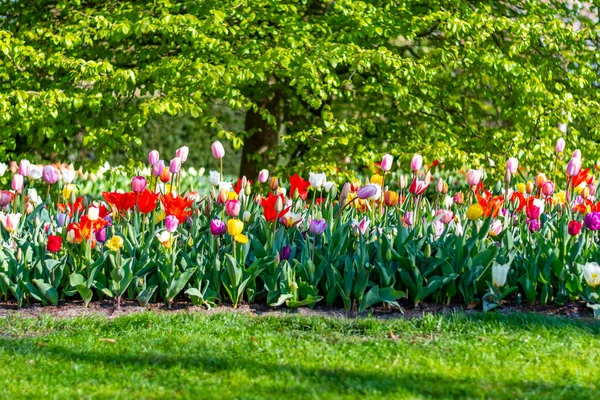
(462, 81)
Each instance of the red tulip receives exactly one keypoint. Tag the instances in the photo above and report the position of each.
(574, 228)
(54, 243)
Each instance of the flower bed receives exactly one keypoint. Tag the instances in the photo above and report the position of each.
(308, 242)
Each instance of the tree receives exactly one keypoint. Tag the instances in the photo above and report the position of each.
(321, 82)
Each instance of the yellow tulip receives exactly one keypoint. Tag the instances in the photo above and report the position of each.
(377, 180)
(241, 238)
(521, 187)
(115, 243)
(68, 189)
(232, 196)
(560, 197)
(475, 211)
(159, 216)
(234, 227)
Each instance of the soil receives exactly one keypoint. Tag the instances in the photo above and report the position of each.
(107, 308)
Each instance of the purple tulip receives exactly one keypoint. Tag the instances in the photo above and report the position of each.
(217, 227)
(317, 226)
(5, 198)
(285, 253)
(100, 235)
(158, 168)
(533, 225)
(592, 220)
(574, 166)
(175, 165)
(153, 157)
(62, 219)
(171, 223)
(366, 192)
(138, 184)
(50, 174)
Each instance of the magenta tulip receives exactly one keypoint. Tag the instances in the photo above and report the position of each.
(171, 223)
(232, 208)
(50, 174)
(138, 184)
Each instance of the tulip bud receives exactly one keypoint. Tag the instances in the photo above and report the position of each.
(175, 165)
(427, 252)
(19, 255)
(246, 216)
(274, 185)
(540, 179)
(344, 193)
(243, 181)
(512, 164)
(560, 146)
(439, 186)
(248, 189)
(529, 187)
(28, 208)
(138, 184)
(17, 183)
(182, 153)
(585, 193)
(165, 176)
(548, 188)
(416, 162)
(222, 196)
(386, 162)
(278, 204)
(24, 166)
(263, 176)
(403, 182)
(445, 190)
(153, 157)
(507, 176)
(50, 174)
(574, 166)
(208, 206)
(158, 167)
(217, 150)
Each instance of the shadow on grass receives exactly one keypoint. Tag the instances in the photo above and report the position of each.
(292, 378)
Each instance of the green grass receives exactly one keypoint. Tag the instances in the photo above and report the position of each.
(235, 355)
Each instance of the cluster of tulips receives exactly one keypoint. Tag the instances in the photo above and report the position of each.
(307, 242)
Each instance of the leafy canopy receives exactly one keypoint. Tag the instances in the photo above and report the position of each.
(461, 81)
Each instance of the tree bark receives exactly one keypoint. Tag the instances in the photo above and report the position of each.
(260, 148)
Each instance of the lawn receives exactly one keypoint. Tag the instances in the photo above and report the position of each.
(242, 356)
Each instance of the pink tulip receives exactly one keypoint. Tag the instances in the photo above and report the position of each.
(5, 198)
(439, 186)
(171, 223)
(408, 218)
(232, 208)
(218, 150)
(418, 187)
(386, 162)
(182, 153)
(153, 157)
(574, 166)
(17, 183)
(496, 227)
(474, 177)
(263, 176)
(50, 174)
(576, 154)
(511, 165)
(11, 221)
(559, 147)
(138, 184)
(175, 165)
(416, 163)
(158, 168)
(548, 188)
(24, 167)
(366, 192)
(593, 189)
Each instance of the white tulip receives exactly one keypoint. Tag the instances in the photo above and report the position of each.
(499, 275)
(316, 180)
(591, 273)
(35, 172)
(214, 178)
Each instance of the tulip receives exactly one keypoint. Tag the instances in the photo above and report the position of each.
(175, 165)
(592, 220)
(316, 180)
(17, 183)
(360, 228)
(138, 184)
(447, 216)
(274, 184)
(574, 228)
(574, 166)
(529, 187)
(153, 157)
(28, 207)
(62, 219)
(35, 172)
(438, 226)
(100, 235)
(24, 166)
(559, 147)
(291, 219)
(285, 253)
(591, 273)
(593, 189)
(534, 225)
(3, 168)
(576, 154)
(217, 150)
(439, 186)
(386, 162)
(540, 179)
(263, 175)
(93, 213)
(390, 198)
(68, 190)
(475, 211)
(232, 208)
(50, 174)
(165, 176)
(416, 163)
(234, 227)
(317, 226)
(217, 227)
(328, 186)
(499, 275)
(512, 165)
(459, 198)
(165, 238)
(68, 175)
(5, 198)
(408, 218)
(171, 223)
(246, 216)
(115, 243)
(182, 153)
(403, 182)
(10, 221)
(54, 243)
(158, 168)
(496, 228)
(548, 188)
(474, 177)
(418, 187)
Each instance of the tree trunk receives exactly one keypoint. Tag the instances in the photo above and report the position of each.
(260, 148)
